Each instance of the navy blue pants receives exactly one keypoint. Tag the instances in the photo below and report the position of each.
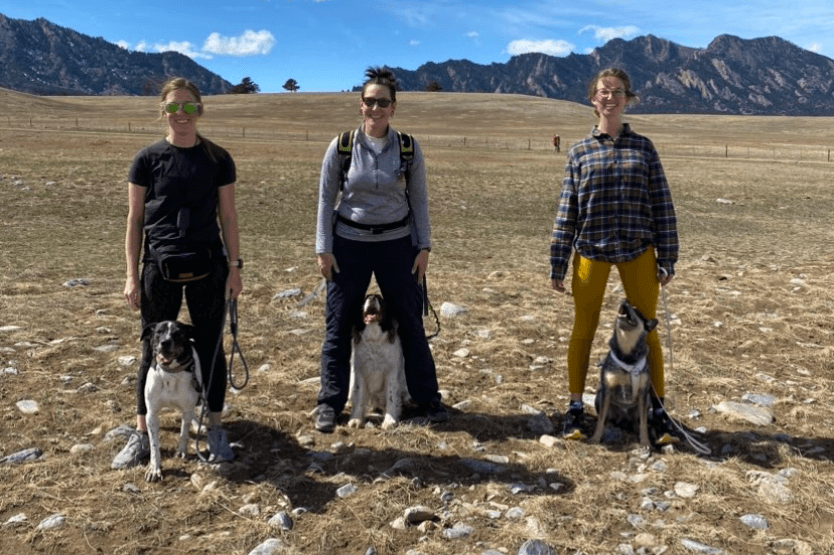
(390, 262)
(206, 301)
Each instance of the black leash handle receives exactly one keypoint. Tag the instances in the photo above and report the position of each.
(236, 347)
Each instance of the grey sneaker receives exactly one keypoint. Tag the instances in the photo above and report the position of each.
(218, 444)
(138, 448)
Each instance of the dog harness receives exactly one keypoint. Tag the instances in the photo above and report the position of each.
(633, 370)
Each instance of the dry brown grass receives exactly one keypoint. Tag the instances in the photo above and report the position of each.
(492, 208)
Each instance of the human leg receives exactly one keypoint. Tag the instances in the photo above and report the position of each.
(344, 300)
(404, 296)
(206, 300)
(588, 286)
(160, 300)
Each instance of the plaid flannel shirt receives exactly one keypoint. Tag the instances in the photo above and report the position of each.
(615, 203)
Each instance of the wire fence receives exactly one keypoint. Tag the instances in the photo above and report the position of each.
(798, 153)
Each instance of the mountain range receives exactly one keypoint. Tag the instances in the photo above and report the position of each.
(764, 76)
(42, 58)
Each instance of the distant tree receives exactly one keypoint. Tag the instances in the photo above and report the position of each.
(291, 85)
(247, 86)
(434, 86)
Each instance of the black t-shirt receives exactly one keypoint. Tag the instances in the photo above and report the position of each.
(181, 192)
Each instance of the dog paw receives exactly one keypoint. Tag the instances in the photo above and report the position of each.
(388, 422)
(153, 475)
(354, 423)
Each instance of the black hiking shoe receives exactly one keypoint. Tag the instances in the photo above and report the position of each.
(573, 421)
(325, 419)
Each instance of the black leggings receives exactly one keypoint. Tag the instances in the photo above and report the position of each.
(206, 300)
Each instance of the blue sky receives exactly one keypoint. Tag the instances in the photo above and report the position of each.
(326, 45)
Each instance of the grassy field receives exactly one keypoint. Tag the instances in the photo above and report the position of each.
(750, 311)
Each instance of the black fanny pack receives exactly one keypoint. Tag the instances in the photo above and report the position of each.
(182, 266)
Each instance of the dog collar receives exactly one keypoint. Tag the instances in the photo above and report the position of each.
(635, 368)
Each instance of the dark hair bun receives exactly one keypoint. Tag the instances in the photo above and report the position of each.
(380, 76)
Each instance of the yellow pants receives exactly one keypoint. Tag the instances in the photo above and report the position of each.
(639, 277)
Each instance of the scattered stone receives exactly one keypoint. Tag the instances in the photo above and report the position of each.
(17, 520)
(461, 353)
(449, 310)
(761, 399)
(536, 547)
(81, 448)
(346, 491)
(482, 467)
(700, 548)
(7, 329)
(549, 441)
(458, 531)
(742, 411)
(52, 522)
(685, 490)
(73, 283)
(295, 292)
(251, 509)
(127, 360)
(28, 406)
(418, 514)
(756, 522)
(270, 547)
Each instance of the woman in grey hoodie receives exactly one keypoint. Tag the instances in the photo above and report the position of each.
(374, 220)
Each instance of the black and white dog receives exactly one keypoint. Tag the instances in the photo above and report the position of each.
(377, 366)
(174, 381)
(624, 383)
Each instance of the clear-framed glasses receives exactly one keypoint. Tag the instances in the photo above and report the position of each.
(187, 107)
(611, 93)
(382, 102)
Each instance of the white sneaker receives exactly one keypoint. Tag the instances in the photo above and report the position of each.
(138, 448)
(218, 444)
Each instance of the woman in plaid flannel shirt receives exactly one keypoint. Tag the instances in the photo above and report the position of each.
(615, 209)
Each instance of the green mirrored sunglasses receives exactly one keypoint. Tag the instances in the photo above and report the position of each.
(187, 107)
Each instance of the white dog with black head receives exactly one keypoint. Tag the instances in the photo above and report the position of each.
(377, 373)
(174, 381)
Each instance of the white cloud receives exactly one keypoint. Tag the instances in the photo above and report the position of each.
(473, 35)
(814, 47)
(414, 42)
(607, 33)
(183, 47)
(123, 44)
(250, 43)
(550, 47)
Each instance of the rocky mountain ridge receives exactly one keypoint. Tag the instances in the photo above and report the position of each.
(40, 57)
(765, 76)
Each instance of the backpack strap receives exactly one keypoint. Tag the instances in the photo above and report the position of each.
(345, 149)
(406, 154)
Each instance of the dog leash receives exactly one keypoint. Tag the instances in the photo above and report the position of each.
(426, 307)
(230, 310)
(698, 446)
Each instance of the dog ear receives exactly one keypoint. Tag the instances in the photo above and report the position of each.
(651, 324)
(146, 331)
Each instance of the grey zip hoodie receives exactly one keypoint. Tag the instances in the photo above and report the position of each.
(374, 193)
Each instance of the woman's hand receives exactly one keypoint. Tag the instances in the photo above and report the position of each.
(327, 265)
(558, 285)
(132, 292)
(234, 284)
(421, 264)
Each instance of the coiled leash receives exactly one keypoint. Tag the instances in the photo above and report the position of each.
(698, 446)
(230, 309)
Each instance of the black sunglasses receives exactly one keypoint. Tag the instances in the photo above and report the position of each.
(383, 102)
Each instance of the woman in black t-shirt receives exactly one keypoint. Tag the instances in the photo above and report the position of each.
(181, 201)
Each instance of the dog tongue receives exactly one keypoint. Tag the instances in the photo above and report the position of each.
(162, 360)
(371, 318)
